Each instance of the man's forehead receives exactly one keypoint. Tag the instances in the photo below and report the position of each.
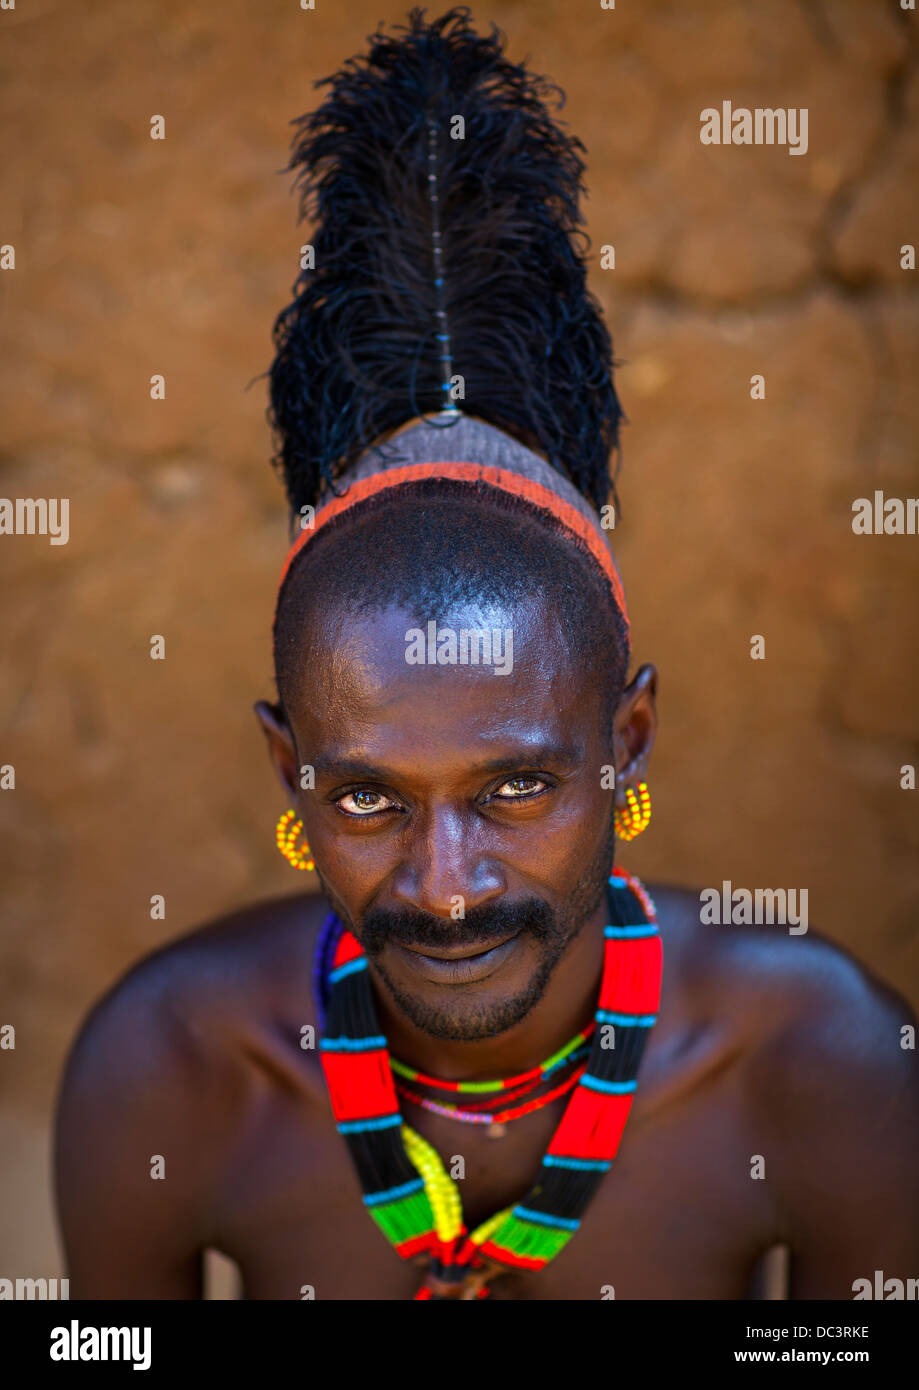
(359, 691)
(383, 654)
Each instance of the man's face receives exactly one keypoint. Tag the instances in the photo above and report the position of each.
(459, 820)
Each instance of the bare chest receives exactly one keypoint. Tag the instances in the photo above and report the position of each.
(681, 1214)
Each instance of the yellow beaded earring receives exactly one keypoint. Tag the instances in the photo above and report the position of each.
(287, 840)
(633, 820)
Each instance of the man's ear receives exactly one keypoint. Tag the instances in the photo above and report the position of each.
(635, 727)
(281, 749)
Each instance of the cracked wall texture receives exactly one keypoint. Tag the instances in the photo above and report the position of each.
(135, 257)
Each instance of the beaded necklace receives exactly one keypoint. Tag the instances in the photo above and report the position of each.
(508, 1083)
(406, 1189)
(487, 1117)
(490, 1116)
(496, 1110)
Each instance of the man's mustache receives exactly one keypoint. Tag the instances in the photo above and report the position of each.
(480, 926)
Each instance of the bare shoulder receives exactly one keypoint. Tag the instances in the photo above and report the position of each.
(828, 1049)
(793, 988)
(827, 1089)
(206, 969)
(150, 1106)
(186, 1000)
(205, 982)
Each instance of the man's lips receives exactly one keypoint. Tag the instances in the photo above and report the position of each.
(463, 964)
(461, 952)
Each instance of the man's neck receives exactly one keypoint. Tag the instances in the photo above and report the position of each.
(568, 1005)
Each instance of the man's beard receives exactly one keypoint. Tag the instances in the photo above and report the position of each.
(554, 933)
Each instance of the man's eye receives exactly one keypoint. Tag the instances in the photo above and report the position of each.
(519, 788)
(364, 803)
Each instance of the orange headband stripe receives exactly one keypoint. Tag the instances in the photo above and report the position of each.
(513, 483)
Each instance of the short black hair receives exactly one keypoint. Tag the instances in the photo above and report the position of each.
(432, 543)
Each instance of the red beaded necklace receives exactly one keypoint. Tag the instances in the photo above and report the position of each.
(497, 1110)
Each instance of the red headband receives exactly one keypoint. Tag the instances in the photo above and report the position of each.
(514, 483)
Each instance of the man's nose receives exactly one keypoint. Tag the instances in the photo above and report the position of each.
(444, 866)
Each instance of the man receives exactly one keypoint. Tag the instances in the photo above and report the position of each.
(478, 1076)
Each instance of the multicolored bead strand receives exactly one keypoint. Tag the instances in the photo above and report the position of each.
(509, 1083)
(501, 1117)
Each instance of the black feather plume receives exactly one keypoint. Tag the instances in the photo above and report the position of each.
(361, 348)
